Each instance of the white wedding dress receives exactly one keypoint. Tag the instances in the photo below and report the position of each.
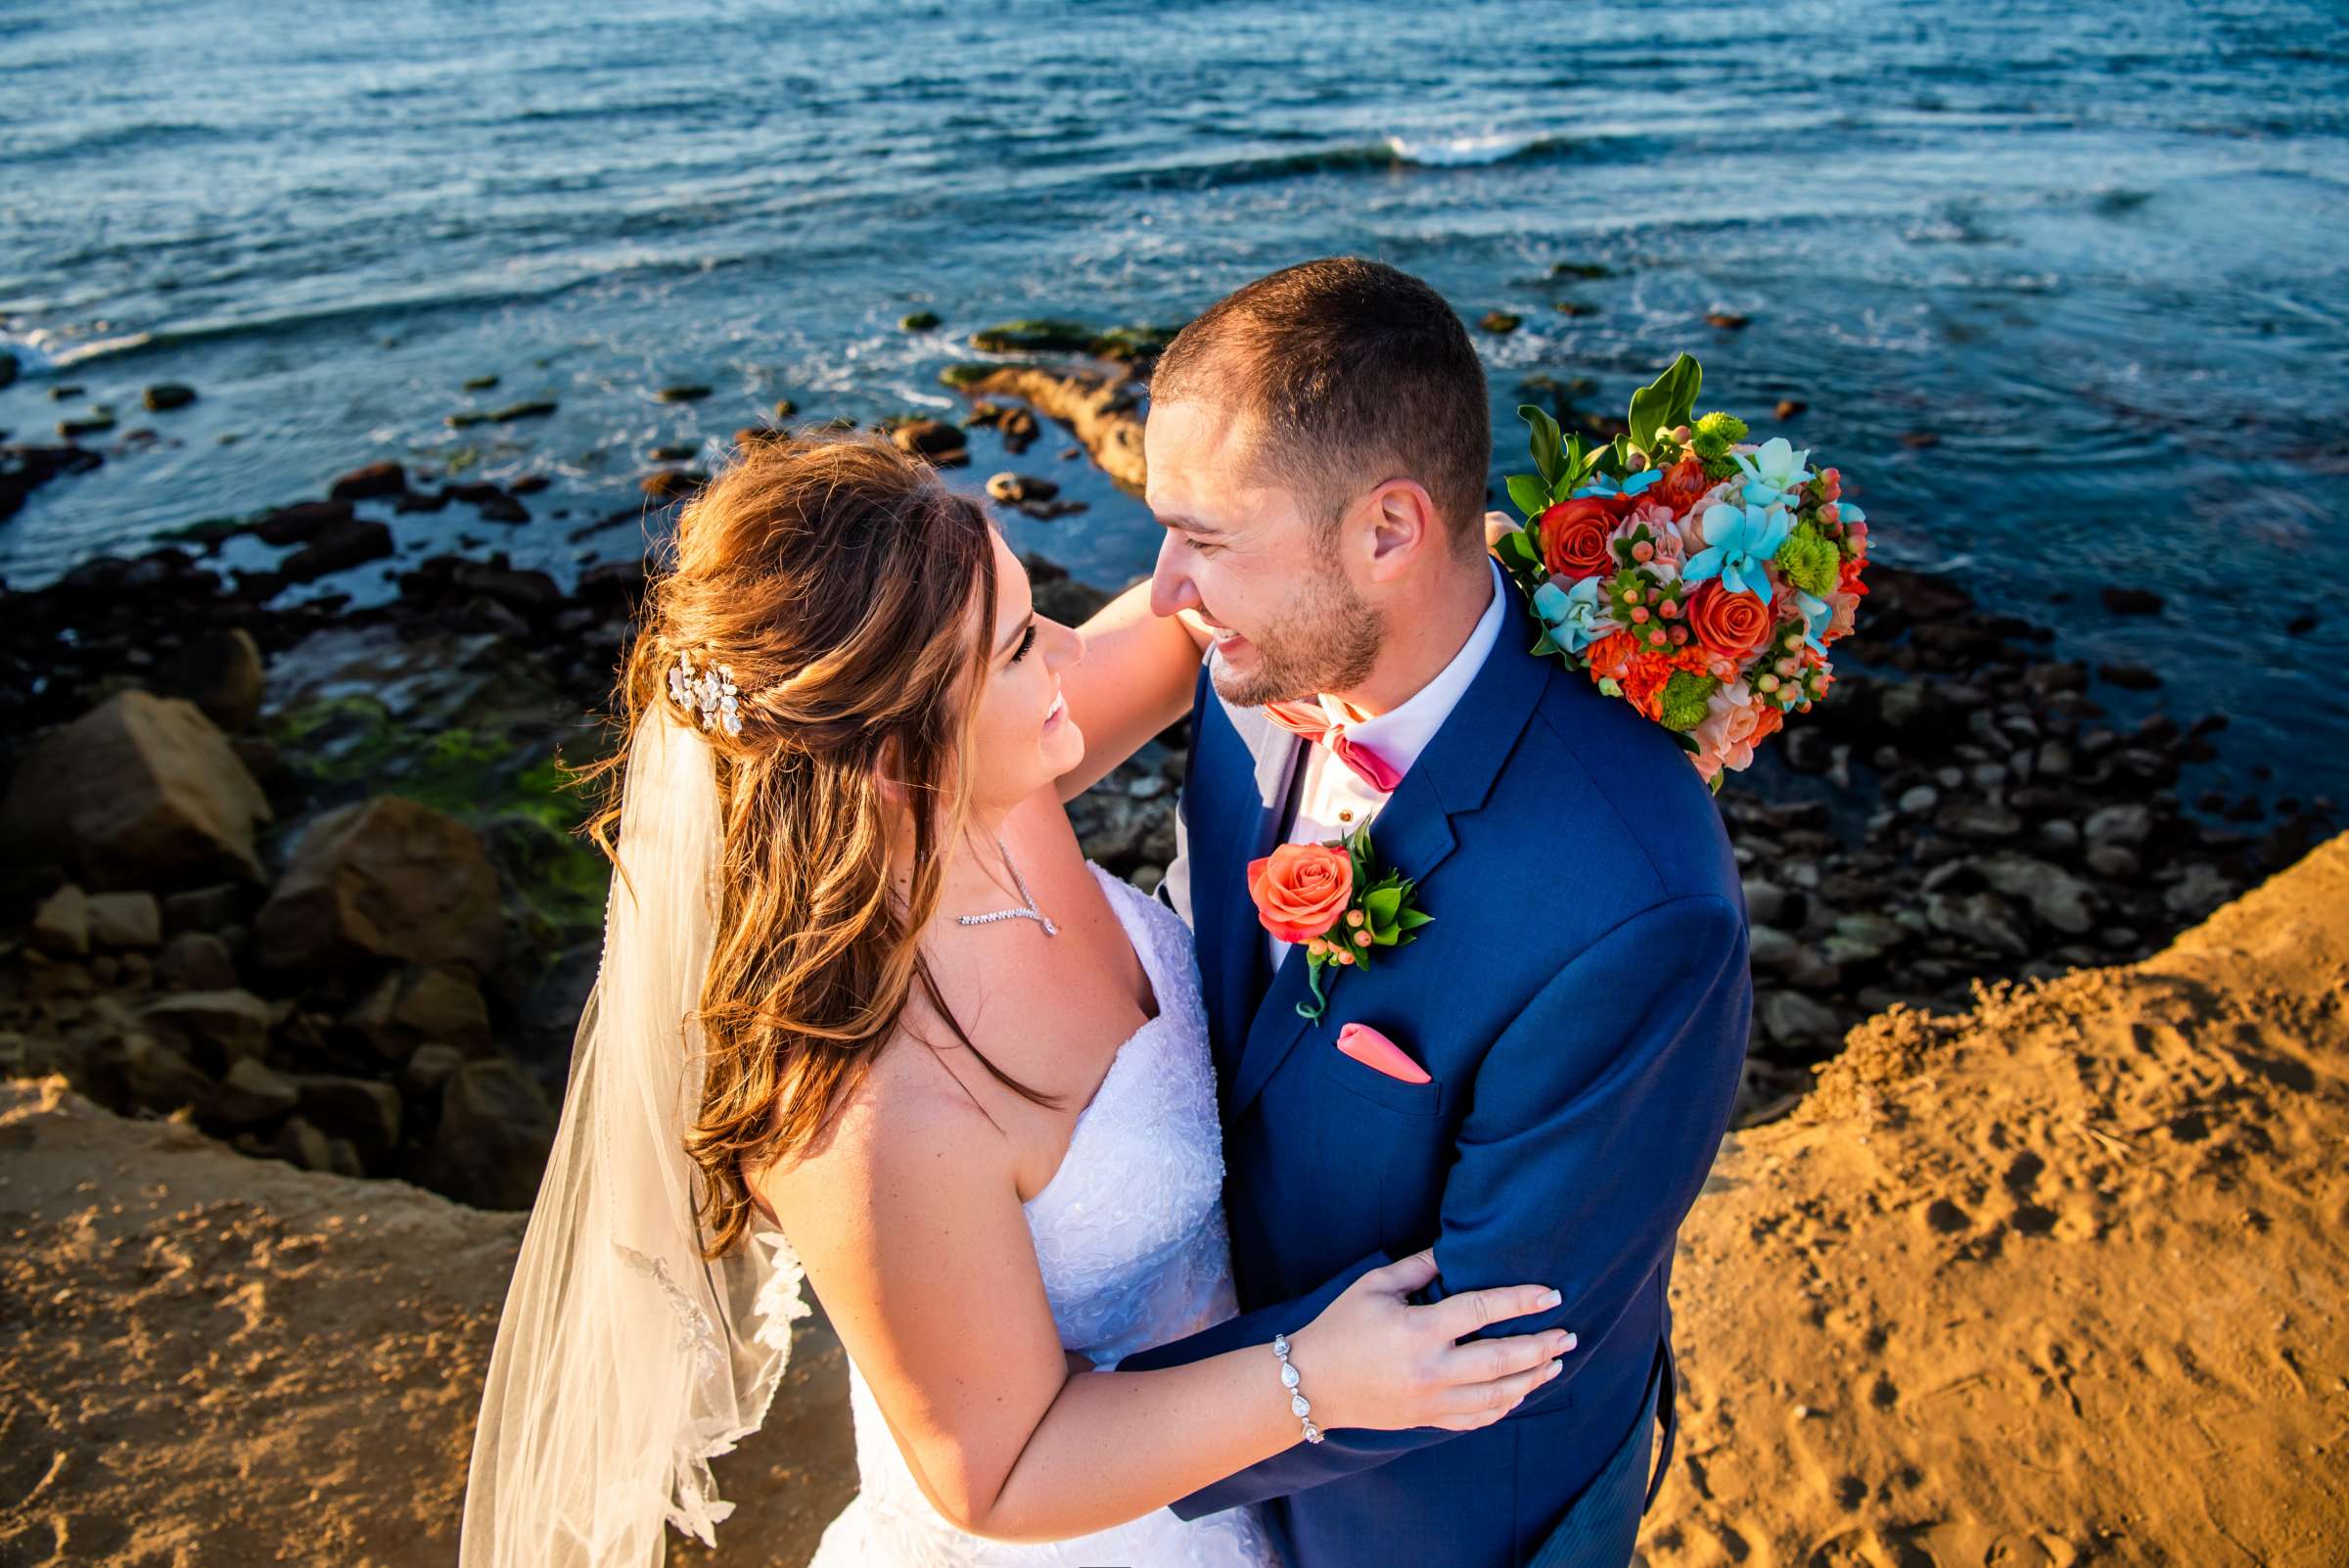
(1129, 1236)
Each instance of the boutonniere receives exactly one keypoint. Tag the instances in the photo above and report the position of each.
(1333, 898)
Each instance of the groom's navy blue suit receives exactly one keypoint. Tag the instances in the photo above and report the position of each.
(1581, 1002)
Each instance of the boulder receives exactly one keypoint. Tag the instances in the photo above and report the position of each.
(139, 790)
(2059, 898)
(384, 878)
(1981, 919)
(221, 673)
(253, 1092)
(375, 480)
(61, 925)
(299, 1144)
(300, 523)
(126, 920)
(421, 1005)
(359, 1109)
(430, 1067)
(2129, 824)
(146, 1074)
(1790, 1018)
(196, 960)
(495, 1130)
(338, 547)
(218, 1026)
(931, 438)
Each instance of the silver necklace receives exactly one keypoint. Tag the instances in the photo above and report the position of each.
(1025, 911)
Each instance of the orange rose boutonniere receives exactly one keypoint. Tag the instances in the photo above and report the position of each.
(1334, 899)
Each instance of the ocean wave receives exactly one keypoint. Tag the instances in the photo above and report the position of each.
(1388, 153)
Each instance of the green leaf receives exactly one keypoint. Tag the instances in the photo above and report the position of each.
(1549, 445)
(1530, 495)
(1412, 919)
(1546, 645)
(1382, 904)
(1516, 548)
(1665, 403)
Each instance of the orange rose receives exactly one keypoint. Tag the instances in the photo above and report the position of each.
(1680, 486)
(1575, 534)
(1301, 890)
(1732, 625)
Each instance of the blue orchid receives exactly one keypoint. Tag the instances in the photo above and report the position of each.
(1772, 469)
(1604, 485)
(1817, 614)
(1577, 617)
(1742, 539)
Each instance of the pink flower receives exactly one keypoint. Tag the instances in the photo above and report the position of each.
(1847, 613)
(1663, 531)
(1734, 724)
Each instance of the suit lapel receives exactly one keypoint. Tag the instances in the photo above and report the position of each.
(1249, 813)
(1411, 834)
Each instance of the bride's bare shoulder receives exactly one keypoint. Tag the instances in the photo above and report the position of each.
(907, 1117)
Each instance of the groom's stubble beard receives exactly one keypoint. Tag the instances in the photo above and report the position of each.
(1328, 641)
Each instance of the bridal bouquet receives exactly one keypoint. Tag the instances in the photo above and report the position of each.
(1695, 575)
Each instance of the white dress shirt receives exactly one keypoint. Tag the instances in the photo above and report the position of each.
(1334, 800)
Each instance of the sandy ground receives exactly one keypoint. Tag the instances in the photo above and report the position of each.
(2058, 1281)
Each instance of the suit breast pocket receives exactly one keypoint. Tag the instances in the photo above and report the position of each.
(1368, 1083)
(1395, 1138)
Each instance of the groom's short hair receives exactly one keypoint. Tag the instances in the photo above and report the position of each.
(1353, 373)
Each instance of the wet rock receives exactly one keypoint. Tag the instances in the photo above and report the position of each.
(1983, 919)
(2128, 824)
(669, 485)
(490, 1147)
(2116, 863)
(141, 791)
(1771, 951)
(8, 368)
(933, 440)
(2130, 677)
(1102, 411)
(1981, 821)
(2059, 898)
(1577, 309)
(918, 321)
(126, 920)
(1790, 407)
(1015, 489)
(300, 523)
(87, 424)
(375, 480)
(2123, 601)
(1727, 320)
(25, 469)
(1500, 321)
(480, 383)
(683, 392)
(1862, 939)
(2200, 891)
(338, 547)
(1770, 904)
(165, 395)
(385, 878)
(1792, 1019)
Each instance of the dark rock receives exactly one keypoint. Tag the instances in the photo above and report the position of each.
(479, 383)
(683, 392)
(1500, 321)
(918, 321)
(939, 443)
(221, 673)
(301, 522)
(124, 920)
(385, 878)
(61, 925)
(217, 1027)
(669, 485)
(490, 1147)
(1577, 309)
(375, 480)
(2122, 601)
(165, 395)
(88, 425)
(1727, 320)
(360, 1109)
(338, 547)
(1789, 408)
(25, 469)
(2130, 677)
(196, 960)
(250, 1094)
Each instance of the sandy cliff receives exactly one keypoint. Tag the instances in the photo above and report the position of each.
(2055, 1282)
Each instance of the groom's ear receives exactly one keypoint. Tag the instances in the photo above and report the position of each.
(1403, 528)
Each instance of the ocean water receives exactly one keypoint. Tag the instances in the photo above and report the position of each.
(2093, 253)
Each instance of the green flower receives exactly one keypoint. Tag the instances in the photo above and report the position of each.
(1728, 427)
(1810, 561)
(1687, 698)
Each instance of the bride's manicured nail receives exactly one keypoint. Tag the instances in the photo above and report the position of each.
(1550, 1298)
(1553, 1370)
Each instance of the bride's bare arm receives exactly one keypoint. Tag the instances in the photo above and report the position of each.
(1134, 679)
(914, 1237)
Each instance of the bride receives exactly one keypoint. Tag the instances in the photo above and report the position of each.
(865, 1011)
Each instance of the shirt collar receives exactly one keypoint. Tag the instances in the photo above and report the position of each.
(1401, 733)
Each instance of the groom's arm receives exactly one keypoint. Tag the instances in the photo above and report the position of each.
(1596, 1118)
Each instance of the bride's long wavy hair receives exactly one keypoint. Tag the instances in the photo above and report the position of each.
(852, 596)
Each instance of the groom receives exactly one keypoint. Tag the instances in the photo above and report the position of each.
(1576, 1012)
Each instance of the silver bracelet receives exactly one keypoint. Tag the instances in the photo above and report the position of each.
(1298, 1402)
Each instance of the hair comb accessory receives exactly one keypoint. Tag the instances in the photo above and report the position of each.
(710, 692)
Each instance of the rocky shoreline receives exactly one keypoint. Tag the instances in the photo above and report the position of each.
(305, 871)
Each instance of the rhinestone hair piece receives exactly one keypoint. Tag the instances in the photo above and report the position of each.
(710, 692)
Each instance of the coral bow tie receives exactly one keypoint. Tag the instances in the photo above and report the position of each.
(1310, 721)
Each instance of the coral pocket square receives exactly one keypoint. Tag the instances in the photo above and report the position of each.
(1372, 1048)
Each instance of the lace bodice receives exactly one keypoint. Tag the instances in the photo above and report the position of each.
(1129, 1238)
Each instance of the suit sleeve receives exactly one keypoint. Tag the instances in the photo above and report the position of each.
(1592, 1123)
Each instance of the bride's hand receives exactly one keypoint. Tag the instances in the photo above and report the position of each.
(1371, 1359)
